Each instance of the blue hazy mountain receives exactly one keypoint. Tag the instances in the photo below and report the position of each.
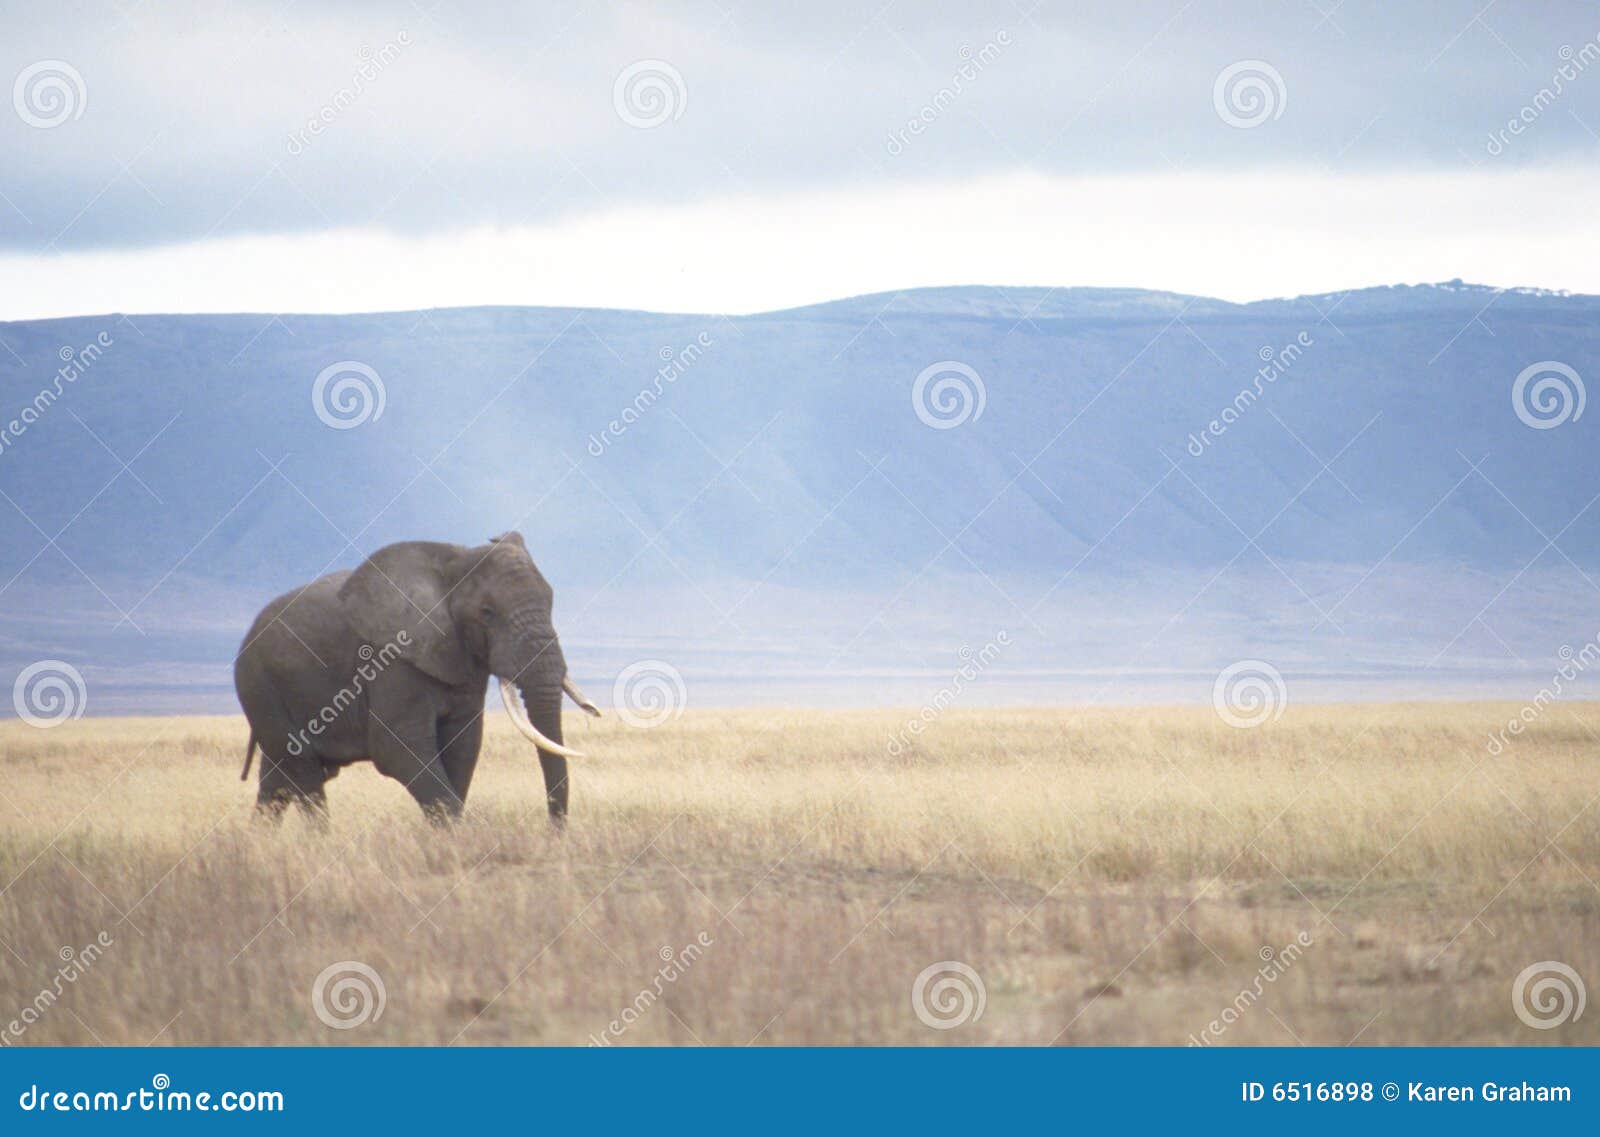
(758, 501)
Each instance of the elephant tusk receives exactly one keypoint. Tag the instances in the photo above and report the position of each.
(519, 716)
(579, 697)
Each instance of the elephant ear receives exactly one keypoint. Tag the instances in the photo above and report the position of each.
(402, 589)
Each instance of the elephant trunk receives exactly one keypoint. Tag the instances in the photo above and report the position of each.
(543, 706)
(532, 693)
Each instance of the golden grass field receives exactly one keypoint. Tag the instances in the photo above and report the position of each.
(1112, 876)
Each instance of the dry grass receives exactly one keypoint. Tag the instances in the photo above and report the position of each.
(1112, 876)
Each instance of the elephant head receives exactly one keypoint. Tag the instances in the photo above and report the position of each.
(456, 613)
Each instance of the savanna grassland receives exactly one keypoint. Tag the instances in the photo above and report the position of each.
(1357, 873)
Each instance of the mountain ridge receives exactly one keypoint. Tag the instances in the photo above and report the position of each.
(783, 495)
(1451, 287)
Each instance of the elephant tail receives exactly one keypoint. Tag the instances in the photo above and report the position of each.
(249, 755)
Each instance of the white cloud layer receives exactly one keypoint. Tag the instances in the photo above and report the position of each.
(126, 125)
(1235, 236)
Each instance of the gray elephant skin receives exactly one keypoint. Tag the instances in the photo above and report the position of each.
(391, 662)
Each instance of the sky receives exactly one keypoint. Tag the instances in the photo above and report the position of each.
(720, 157)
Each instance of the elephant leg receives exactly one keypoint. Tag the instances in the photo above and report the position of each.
(296, 780)
(270, 807)
(284, 776)
(463, 739)
(405, 746)
(314, 808)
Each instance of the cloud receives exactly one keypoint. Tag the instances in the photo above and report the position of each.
(1230, 235)
(196, 121)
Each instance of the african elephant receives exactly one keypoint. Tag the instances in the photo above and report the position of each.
(391, 661)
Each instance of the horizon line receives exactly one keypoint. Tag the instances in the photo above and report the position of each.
(1454, 285)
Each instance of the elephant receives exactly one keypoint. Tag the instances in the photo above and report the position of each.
(390, 663)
